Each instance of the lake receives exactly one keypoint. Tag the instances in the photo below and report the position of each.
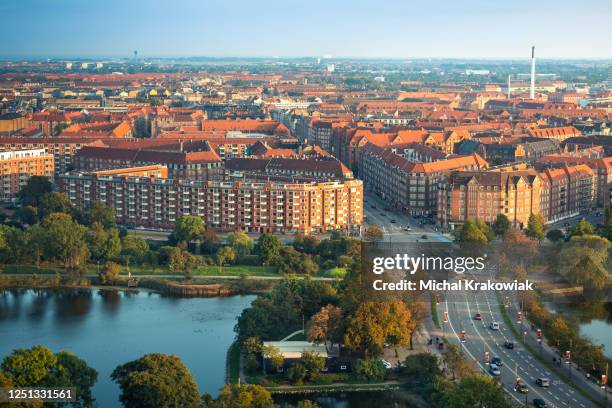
(107, 328)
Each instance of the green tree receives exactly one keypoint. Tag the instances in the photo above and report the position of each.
(252, 345)
(55, 203)
(243, 396)
(133, 248)
(187, 228)
(470, 232)
(314, 364)
(104, 245)
(156, 380)
(100, 213)
(65, 240)
(371, 370)
(607, 228)
(535, 227)
(36, 241)
(476, 391)
(39, 367)
(268, 248)
(582, 228)
(27, 215)
(240, 242)
(181, 261)
(297, 373)
(423, 372)
(584, 261)
(225, 254)
(501, 225)
(33, 191)
(307, 244)
(456, 364)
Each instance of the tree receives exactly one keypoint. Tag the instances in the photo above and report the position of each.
(377, 323)
(274, 355)
(470, 232)
(456, 364)
(423, 371)
(607, 228)
(65, 240)
(35, 188)
(501, 225)
(55, 203)
(326, 325)
(133, 248)
(39, 367)
(110, 272)
(104, 245)
(535, 227)
(100, 213)
(186, 229)
(307, 244)
(555, 235)
(36, 241)
(225, 254)
(292, 261)
(156, 380)
(240, 242)
(475, 391)
(252, 345)
(243, 396)
(582, 228)
(27, 215)
(314, 364)
(370, 369)
(268, 248)
(373, 233)
(181, 261)
(584, 261)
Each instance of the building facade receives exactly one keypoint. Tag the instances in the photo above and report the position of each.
(16, 167)
(157, 202)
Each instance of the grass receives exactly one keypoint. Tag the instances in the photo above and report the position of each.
(337, 272)
(434, 311)
(536, 355)
(233, 359)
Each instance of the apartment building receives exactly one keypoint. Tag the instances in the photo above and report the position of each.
(408, 185)
(554, 193)
(16, 167)
(156, 202)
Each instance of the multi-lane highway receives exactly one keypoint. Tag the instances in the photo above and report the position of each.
(518, 362)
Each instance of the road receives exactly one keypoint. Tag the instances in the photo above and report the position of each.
(394, 231)
(517, 362)
(591, 217)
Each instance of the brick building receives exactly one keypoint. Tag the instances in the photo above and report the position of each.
(153, 201)
(16, 167)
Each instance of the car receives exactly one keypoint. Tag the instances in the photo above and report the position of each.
(521, 387)
(497, 361)
(477, 316)
(494, 326)
(539, 403)
(494, 370)
(385, 363)
(424, 236)
(392, 221)
(383, 214)
(509, 345)
(543, 382)
(407, 228)
(373, 206)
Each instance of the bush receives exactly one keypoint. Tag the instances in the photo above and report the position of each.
(370, 370)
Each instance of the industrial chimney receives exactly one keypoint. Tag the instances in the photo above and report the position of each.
(532, 89)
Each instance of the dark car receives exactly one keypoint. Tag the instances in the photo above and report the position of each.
(373, 206)
(498, 361)
(392, 221)
(509, 345)
(539, 403)
(424, 236)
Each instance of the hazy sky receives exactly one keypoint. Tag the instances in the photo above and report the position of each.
(343, 28)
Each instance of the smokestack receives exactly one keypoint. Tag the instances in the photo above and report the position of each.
(509, 92)
(532, 90)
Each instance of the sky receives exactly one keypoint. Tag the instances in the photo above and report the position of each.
(291, 28)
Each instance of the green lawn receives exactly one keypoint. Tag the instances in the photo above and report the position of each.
(333, 273)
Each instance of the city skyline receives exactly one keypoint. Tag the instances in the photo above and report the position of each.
(397, 30)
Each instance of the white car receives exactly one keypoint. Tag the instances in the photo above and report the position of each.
(494, 326)
(494, 370)
(386, 364)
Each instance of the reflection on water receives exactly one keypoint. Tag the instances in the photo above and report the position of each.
(387, 399)
(108, 328)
